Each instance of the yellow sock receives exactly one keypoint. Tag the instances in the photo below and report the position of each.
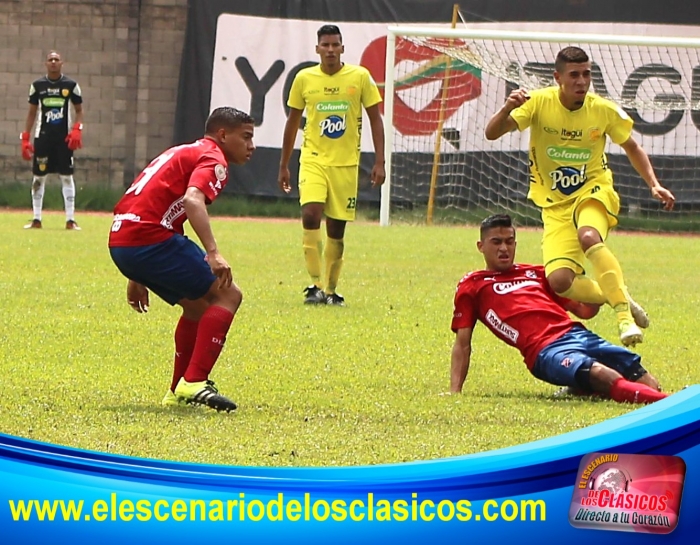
(313, 248)
(586, 290)
(334, 262)
(609, 274)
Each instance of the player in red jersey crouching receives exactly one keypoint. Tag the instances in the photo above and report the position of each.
(148, 246)
(516, 303)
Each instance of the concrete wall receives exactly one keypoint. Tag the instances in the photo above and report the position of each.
(125, 54)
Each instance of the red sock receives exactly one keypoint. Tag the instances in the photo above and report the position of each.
(185, 337)
(211, 336)
(633, 392)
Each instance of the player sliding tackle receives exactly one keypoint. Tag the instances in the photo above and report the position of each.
(517, 304)
(571, 182)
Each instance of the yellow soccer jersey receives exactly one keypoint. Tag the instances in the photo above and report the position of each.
(333, 112)
(567, 148)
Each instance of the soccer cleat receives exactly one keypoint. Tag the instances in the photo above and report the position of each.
(72, 226)
(638, 313)
(203, 393)
(335, 299)
(630, 334)
(314, 296)
(171, 400)
(34, 224)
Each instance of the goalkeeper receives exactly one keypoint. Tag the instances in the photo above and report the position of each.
(56, 136)
(571, 182)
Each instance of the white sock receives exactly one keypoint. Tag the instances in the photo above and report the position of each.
(68, 196)
(38, 184)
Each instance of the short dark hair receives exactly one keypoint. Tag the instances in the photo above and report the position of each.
(570, 54)
(226, 117)
(496, 220)
(329, 30)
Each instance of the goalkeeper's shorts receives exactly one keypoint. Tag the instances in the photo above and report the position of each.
(560, 245)
(335, 187)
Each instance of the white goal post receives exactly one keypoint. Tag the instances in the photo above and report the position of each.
(442, 85)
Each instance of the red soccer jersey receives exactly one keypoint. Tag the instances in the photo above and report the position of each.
(518, 306)
(151, 210)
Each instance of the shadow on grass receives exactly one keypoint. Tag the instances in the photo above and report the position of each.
(540, 396)
(186, 411)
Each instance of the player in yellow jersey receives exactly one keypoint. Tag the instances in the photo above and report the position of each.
(333, 94)
(571, 182)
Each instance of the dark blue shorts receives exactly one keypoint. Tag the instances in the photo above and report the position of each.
(173, 270)
(576, 351)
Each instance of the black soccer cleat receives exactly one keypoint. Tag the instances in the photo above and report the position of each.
(203, 393)
(335, 299)
(314, 296)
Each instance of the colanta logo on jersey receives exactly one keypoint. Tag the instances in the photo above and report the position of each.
(568, 155)
(334, 125)
(54, 116)
(568, 179)
(52, 102)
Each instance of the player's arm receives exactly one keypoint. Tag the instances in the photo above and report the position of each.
(78, 113)
(377, 127)
(74, 138)
(641, 163)
(290, 134)
(461, 357)
(195, 204)
(27, 148)
(31, 118)
(501, 122)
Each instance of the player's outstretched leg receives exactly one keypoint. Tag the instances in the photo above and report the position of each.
(609, 276)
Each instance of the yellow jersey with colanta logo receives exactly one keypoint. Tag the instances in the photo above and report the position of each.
(333, 105)
(567, 148)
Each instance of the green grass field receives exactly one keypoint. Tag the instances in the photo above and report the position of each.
(316, 386)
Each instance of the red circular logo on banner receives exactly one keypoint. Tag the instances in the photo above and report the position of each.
(463, 84)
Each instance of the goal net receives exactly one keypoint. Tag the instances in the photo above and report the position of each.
(443, 85)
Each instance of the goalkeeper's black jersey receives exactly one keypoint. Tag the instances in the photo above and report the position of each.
(53, 97)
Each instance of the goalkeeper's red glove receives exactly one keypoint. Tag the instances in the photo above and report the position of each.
(75, 137)
(27, 148)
